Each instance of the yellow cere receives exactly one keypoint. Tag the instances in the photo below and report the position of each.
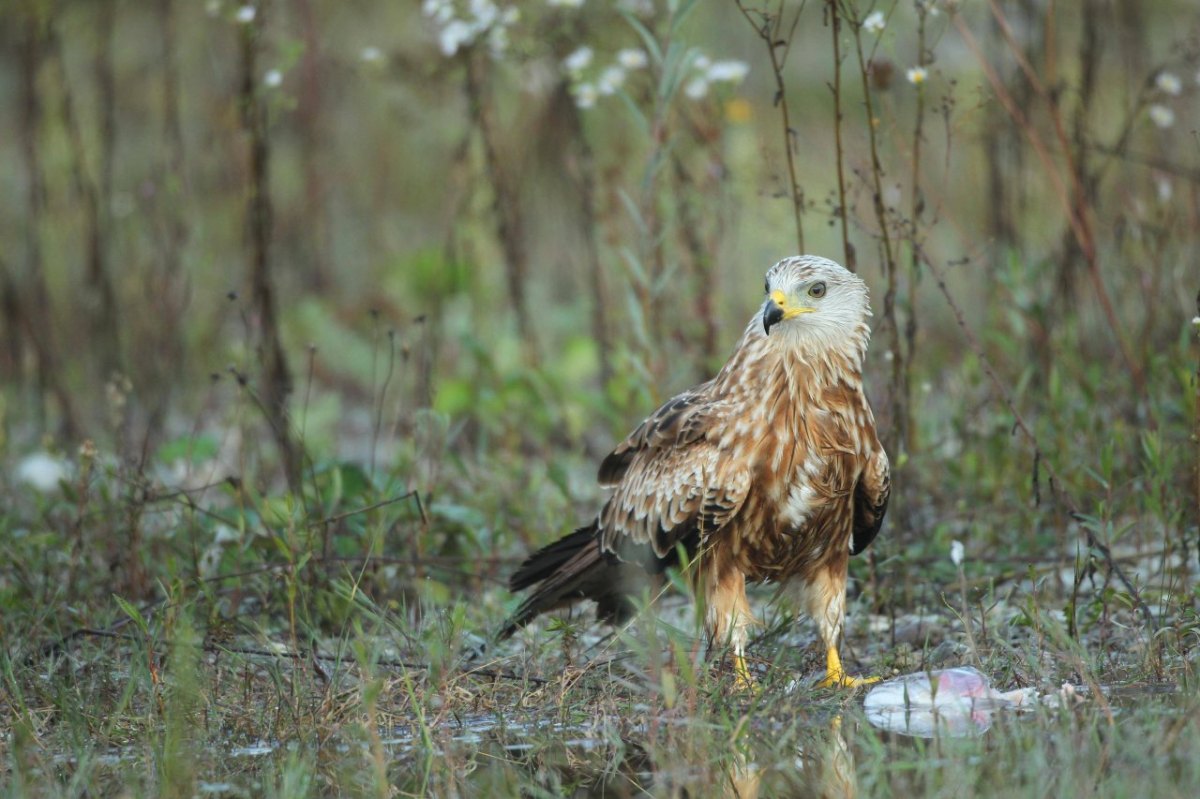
(780, 299)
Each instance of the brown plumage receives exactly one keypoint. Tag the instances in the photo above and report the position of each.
(769, 472)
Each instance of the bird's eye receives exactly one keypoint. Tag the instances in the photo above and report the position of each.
(817, 290)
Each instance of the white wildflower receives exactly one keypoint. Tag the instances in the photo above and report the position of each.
(497, 41)
(1162, 116)
(564, 3)
(485, 14)
(510, 15)
(632, 58)
(212, 7)
(455, 35)
(701, 62)
(585, 95)
(1168, 83)
(728, 71)
(579, 60)
(42, 472)
(916, 75)
(1165, 189)
(610, 80)
(246, 14)
(226, 534)
(696, 88)
(875, 22)
(1196, 321)
(956, 552)
(371, 55)
(272, 79)
(440, 11)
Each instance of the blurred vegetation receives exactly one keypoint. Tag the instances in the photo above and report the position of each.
(314, 317)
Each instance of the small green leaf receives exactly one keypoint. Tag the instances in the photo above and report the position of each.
(133, 613)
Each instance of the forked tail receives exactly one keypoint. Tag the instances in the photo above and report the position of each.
(571, 569)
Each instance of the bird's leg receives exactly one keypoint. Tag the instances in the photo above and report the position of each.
(825, 597)
(728, 618)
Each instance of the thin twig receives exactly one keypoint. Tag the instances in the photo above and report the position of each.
(897, 434)
(218, 649)
(1082, 232)
(276, 376)
(768, 28)
(835, 25)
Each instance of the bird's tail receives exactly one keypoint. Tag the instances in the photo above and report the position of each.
(570, 569)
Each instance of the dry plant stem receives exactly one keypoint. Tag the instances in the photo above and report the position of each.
(1196, 431)
(299, 656)
(510, 226)
(10, 310)
(1056, 484)
(35, 306)
(689, 227)
(277, 379)
(172, 135)
(966, 616)
(769, 27)
(387, 380)
(107, 89)
(104, 311)
(835, 25)
(916, 208)
(582, 167)
(311, 115)
(1078, 225)
(1077, 158)
(897, 434)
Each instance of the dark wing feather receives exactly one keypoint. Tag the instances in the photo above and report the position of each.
(871, 500)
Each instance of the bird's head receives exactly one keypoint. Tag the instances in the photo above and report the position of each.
(809, 297)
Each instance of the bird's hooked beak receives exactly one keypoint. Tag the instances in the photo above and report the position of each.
(779, 308)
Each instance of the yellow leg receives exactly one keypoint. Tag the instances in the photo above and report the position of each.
(728, 617)
(743, 680)
(835, 675)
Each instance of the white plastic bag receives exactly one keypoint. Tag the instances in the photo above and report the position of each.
(958, 701)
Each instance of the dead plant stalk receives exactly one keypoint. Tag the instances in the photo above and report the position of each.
(1078, 221)
(769, 27)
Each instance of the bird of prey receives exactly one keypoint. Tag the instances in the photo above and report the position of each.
(769, 472)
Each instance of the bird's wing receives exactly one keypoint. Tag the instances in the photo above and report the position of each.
(680, 421)
(871, 499)
(671, 480)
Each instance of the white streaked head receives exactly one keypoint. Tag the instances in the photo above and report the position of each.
(814, 300)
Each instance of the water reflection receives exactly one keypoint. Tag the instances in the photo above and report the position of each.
(821, 766)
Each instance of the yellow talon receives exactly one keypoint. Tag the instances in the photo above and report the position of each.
(835, 675)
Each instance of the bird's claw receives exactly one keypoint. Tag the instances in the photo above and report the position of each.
(843, 680)
(836, 676)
